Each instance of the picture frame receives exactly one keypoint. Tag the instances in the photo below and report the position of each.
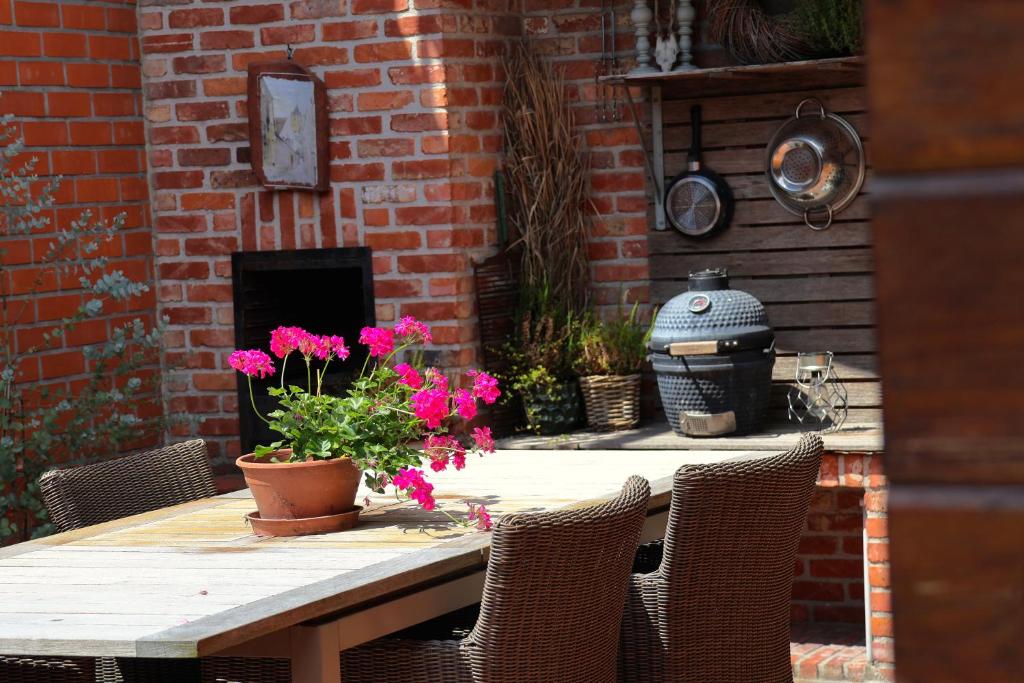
(288, 127)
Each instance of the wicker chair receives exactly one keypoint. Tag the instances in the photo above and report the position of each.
(77, 497)
(715, 609)
(551, 606)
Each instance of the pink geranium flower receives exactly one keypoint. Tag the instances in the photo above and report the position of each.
(484, 440)
(253, 363)
(436, 378)
(442, 449)
(380, 340)
(284, 340)
(480, 514)
(485, 387)
(311, 345)
(419, 489)
(437, 449)
(465, 404)
(336, 346)
(431, 406)
(412, 328)
(409, 376)
(459, 459)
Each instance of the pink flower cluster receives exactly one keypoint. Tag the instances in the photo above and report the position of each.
(431, 406)
(409, 376)
(480, 514)
(253, 363)
(419, 489)
(442, 449)
(413, 331)
(284, 340)
(485, 387)
(465, 404)
(484, 440)
(380, 340)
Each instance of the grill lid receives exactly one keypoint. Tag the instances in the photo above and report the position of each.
(725, 320)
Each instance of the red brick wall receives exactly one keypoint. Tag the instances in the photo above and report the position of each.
(69, 73)
(829, 582)
(413, 89)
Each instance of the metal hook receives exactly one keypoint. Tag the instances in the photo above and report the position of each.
(288, 47)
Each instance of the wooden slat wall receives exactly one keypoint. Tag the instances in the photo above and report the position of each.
(818, 287)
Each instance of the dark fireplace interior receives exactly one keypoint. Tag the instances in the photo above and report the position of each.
(325, 291)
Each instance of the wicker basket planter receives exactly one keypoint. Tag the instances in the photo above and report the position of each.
(612, 401)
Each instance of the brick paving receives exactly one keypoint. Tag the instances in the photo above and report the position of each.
(830, 652)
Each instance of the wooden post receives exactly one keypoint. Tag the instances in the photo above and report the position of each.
(315, 654)
(947, 129)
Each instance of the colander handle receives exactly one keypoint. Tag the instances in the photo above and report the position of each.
(821, 107)
(812, 225)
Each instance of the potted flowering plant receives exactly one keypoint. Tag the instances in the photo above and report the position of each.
(392, 421)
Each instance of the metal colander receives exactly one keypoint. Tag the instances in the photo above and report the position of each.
(693, 205)
(800, 165)
(815, 165)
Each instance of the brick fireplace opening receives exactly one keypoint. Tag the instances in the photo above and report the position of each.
(325, 291)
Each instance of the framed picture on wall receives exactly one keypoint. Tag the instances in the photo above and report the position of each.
(287, 126)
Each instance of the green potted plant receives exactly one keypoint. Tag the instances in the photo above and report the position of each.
(306, 482)
(541, 373)
(609, 357)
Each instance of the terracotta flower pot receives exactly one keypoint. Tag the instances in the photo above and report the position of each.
(296, 490)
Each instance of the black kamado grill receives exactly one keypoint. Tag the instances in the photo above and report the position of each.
(713, 351)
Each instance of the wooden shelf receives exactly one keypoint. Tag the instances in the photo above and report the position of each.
(735, 80)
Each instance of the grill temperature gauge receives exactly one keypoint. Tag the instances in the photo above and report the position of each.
(699, 303)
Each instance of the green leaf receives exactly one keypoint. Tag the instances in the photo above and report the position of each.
(263, 451)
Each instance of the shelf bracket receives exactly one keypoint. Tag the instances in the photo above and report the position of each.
(655, 160)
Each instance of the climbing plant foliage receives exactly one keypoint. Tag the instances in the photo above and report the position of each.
(99, 412)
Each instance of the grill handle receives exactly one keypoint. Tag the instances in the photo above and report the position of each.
(702, 348)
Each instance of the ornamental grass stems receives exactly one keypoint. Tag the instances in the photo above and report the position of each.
(547, 183)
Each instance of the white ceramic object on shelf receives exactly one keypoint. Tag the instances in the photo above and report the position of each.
(666, 49)
(684, 20)
(641, 16)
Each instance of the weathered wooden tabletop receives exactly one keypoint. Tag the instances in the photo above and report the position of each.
(193, 580)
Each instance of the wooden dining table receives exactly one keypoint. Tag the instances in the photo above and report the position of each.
(193, 581)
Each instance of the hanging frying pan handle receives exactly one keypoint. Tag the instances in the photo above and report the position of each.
(814, 226)
(693, 158)
(821, 107)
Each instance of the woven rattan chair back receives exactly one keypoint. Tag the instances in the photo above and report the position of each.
(725, 580)
(77, 497)
(554, 591)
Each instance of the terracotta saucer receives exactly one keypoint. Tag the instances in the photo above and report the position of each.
(303, 526)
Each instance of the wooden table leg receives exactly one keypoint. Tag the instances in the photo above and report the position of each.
(315, 654)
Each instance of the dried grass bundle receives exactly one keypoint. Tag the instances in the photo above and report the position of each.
(753, 36)
(547, 183)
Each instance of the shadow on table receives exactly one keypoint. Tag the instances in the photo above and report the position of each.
(438, 526)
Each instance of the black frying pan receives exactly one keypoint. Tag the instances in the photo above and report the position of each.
(698, 203)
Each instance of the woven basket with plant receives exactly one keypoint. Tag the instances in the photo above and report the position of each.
(611, 354)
